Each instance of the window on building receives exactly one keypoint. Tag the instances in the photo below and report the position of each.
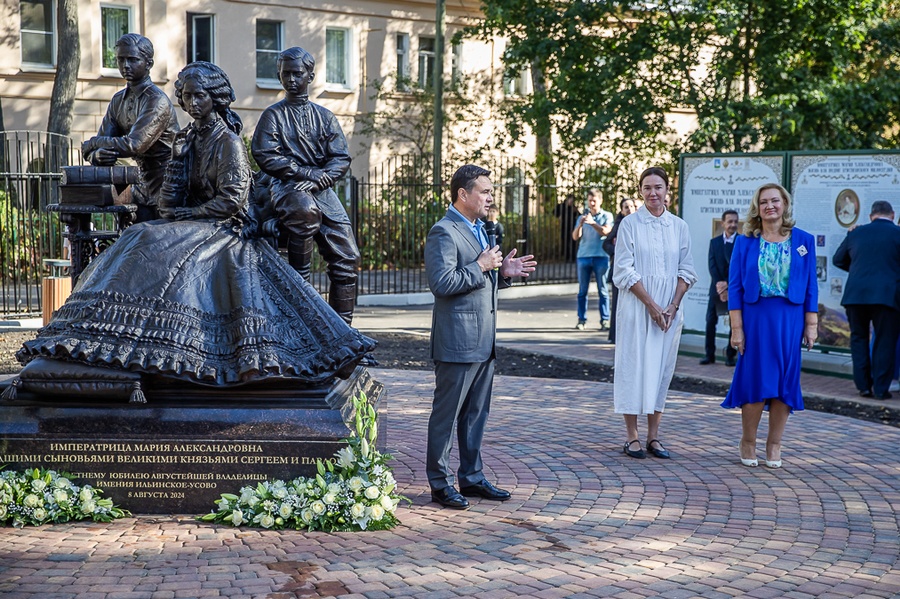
(269, 36)
(516, 84)
(456, 65)
(201, 37)
(426, 62)
(37, 24)
(337, 57)
(403, 61)
(115, 21)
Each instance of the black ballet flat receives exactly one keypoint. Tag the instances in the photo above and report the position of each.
(660, 451)
(639, 454)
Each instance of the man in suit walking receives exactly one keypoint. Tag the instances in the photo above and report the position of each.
(464, 270)
(871, 254)
(720, 248)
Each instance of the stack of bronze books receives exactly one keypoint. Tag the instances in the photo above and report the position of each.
(97, 185)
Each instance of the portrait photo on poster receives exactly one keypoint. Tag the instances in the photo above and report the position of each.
(846, 208)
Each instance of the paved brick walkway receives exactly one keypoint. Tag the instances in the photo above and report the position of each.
(584, 520)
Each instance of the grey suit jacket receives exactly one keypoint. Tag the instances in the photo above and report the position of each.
(464, 321)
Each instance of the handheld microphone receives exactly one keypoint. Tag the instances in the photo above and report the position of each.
(490, 229)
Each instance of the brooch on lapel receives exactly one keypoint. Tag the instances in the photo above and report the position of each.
(802, 250)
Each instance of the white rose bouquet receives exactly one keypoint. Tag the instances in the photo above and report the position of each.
(357, 492)
(39, 496)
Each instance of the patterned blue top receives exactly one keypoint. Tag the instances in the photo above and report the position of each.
(774, 267)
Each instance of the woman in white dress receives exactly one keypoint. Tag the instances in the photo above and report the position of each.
(653, 270)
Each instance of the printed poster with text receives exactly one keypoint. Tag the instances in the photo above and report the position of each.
(832, 194)
(712, 184)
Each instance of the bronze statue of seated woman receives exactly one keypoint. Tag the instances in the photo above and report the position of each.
(196, 296)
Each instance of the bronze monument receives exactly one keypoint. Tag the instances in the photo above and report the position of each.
(244, 370)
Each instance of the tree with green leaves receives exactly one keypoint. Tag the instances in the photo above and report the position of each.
(758, 74)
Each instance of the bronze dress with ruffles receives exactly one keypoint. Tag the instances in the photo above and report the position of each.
(196, 299)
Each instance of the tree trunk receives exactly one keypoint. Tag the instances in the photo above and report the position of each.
(62, 99)
(2, 142)
(543, 132)
(68, 52)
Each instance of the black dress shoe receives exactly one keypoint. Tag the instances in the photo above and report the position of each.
(730, 361)
(639, 453)
(659, 451)
(866, 393)
(449, 497)
(706, 361)
(885, 395)
(485, 490)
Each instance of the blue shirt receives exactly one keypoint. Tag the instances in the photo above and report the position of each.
(591, 245)
(477, 228)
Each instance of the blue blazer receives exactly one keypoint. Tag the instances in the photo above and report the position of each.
(743, 275)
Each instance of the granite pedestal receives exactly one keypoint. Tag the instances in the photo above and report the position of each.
(188, 444)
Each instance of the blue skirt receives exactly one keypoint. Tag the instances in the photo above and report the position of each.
(770, 366)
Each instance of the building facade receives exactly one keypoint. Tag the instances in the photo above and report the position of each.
(356, 44)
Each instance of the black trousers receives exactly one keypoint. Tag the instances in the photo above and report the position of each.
(712, 320)
(873, 372)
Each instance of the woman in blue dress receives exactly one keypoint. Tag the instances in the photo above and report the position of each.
(773, 304)
(197, 296)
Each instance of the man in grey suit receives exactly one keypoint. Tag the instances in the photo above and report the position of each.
(464, 272)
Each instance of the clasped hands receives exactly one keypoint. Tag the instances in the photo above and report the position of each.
(510, 266)
(317, 181)
(722, 291)
(663, 317)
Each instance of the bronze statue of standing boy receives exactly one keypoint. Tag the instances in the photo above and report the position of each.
(302, 147)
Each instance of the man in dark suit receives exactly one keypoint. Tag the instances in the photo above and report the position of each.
(720, 248)
(464, 271)
(871, 254)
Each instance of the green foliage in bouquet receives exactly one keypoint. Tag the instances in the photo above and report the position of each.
(354, 493)
(39, 496)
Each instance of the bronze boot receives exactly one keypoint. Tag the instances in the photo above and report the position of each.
(342, 297)
(300, 251)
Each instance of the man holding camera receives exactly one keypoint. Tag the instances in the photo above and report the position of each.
(591, 229)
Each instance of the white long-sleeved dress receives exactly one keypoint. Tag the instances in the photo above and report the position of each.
(657, 252)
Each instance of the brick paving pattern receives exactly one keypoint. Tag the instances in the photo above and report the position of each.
(584, 520)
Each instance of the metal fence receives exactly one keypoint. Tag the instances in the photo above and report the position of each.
(30, 172)
(392, 209)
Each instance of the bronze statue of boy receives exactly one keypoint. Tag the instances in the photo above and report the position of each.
(140, 123)
(302, 147)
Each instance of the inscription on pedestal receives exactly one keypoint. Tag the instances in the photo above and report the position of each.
(168, 476)
(171, 457)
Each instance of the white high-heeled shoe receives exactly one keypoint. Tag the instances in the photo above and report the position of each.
(773, 463)
(750, 463)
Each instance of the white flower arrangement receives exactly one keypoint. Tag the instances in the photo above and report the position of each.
(37, 496)
(354, 493)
